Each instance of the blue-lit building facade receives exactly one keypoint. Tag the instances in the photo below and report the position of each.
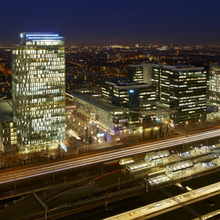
(38, 91)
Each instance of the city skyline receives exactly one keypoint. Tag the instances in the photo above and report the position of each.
(100, 132)
(125, 22)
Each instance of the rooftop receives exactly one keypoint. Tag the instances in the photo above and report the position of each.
(126, 85)
(39, 36)
(180, 67)
(98, 102)
(136, 66)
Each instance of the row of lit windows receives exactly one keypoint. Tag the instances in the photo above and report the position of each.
(41, 63)
(29, 84)
(46, 77)
(48, 118)
(25, 69)
(44, 42)
(196, 108)
(29, 62)
(35, 53)
(51, 119)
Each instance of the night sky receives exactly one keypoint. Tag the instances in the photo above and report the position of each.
(105, 22)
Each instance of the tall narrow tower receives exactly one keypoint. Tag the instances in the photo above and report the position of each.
(38, 91)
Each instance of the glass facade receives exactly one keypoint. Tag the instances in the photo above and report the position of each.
(38, 91)
(183, 89)
(214, 85)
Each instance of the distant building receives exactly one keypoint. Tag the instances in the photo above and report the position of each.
(115, 55)
(214, 85)
(182, 88)
(38, 91)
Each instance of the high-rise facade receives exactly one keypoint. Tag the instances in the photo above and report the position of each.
(214, 85)
(140, 73)
(38, 91)
(135, 73)
(182, 88)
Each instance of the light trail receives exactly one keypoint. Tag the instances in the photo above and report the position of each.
(98, 157)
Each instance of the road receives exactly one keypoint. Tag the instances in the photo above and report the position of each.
(77, 64)
(6, 72)
(97, 157)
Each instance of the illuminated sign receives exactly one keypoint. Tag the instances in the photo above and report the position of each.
(131, 91)
(101, 135)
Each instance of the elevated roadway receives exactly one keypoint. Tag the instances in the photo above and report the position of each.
(101, 156)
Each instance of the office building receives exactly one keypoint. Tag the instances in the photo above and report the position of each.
(8, 133)
(140, 73)
(98, 111)
(8, 136)
(138, 98)
(182, 88)
(38, 91)
(214, 85)
(135, 73)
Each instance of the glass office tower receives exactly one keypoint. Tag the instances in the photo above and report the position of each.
(182, 88)
(214, 85)
(38, 91)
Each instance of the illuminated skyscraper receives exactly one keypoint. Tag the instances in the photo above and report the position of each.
(182, 88)
(38, 91)
(214, 85)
